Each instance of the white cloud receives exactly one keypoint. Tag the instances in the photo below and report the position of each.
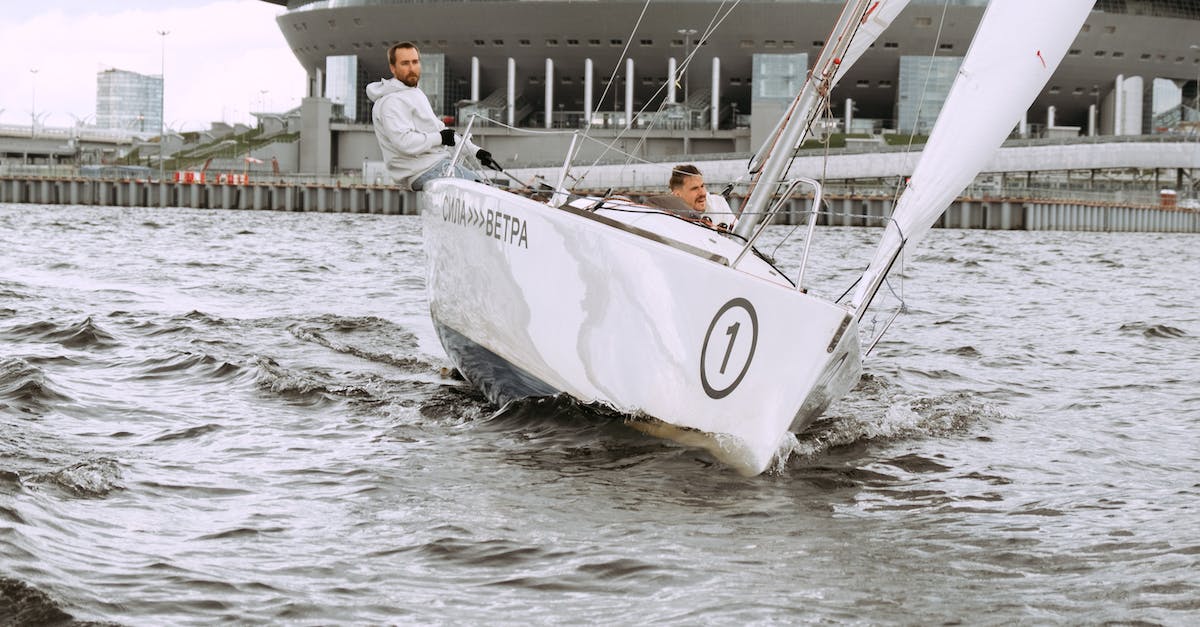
(221, 56)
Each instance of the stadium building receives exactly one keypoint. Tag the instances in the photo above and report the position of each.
(557, 64)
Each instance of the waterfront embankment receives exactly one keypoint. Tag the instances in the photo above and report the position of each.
(971, 211)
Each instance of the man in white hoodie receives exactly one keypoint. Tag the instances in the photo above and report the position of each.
(416, 145)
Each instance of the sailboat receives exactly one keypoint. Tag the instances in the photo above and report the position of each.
(684, 326)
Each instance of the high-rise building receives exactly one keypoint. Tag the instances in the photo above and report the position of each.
(129, 101)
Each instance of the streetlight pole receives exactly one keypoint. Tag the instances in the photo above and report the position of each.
(162, 99)
(687, 62)
(33, 104)
(1195, 189)
(1197, 47)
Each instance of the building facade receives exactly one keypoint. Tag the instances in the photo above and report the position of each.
(129, 101)
(703, 71)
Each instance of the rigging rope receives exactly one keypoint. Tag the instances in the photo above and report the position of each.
(719, 17)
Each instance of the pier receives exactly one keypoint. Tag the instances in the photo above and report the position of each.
(970, 211)
(1006, 214)
(271, 196)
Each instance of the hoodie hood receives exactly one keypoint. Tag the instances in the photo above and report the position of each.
(381, 88)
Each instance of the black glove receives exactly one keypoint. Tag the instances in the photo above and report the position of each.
(447, 137)
(486, 160)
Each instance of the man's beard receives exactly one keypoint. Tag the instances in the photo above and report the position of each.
(411, 80)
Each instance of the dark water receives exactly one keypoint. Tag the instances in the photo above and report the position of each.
(221, 416)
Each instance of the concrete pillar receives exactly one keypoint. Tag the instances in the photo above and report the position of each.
(964, 215)
(316, 136)
(258, 197)
(474, 79)
(671, 78)
(847, 212)
(587, 92)
(511, 91)
(1006, 215)
(355, 205)
(1023, 125)
(1119, 105)
(1050, 116)
(1091, 120)
(716, 93)
(629, 79)
(549, 93)
(849, 115)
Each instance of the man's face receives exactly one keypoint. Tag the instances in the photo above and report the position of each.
(692, 192)
(407, 68)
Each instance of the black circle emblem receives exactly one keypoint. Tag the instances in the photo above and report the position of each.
(732, 350)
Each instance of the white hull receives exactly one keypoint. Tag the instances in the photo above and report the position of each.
(639, 311)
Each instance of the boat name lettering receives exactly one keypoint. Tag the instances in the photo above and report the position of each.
(502, 226)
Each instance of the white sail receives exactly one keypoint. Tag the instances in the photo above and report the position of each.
(1016, 49)
(877, 19)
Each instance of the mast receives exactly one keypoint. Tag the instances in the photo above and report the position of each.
(860, 23)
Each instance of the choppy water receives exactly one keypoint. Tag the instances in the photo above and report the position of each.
(243, 416)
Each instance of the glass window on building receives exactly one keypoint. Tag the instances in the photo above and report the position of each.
(128, 101)
(778, 77)
(341, 83)
(924, 85)
(433, 80)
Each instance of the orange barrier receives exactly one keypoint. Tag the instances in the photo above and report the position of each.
(189, 177)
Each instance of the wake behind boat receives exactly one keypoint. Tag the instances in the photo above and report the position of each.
(683, 325)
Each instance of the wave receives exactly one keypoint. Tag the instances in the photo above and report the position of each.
(192, 321)
(26, 385)
(22, 604)
(308, 387)
(90, 478)
(8, 292)
(85, 334)
(457, 404)
(1153, 330)
(382, 341)
(877, 411)
(194, 363)
(557, 430)
(187, 433)
(494, 553)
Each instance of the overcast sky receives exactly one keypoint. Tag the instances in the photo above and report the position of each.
(224, 58)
